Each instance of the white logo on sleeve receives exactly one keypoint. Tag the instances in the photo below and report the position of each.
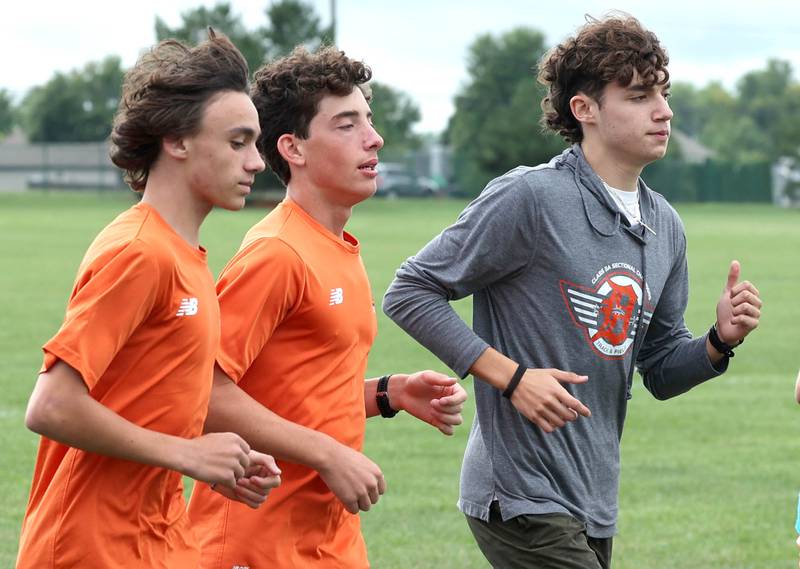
(189, 307)
(337, 296)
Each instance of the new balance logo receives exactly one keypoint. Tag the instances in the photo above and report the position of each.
(337, 296)
(189, 307)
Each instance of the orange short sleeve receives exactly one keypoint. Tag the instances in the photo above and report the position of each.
(256, 291)
(111, 297)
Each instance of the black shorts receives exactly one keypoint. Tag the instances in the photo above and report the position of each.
(542, 541)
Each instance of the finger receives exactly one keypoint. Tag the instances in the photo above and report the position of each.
(575, 405)
(441, 407)
(747, 296)
(746, 310)
(743, 286)
(364, 503)
(249, 495)
(264, 483)
(446, 429)
(542, 423)
(446, 418)
(568, 376)
(265, 462)
(373, 493)
(381, 484)
(436, 378)
(747, 322)
(733, 275)
(351, 507)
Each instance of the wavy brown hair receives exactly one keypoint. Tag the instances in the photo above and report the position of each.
(287, 92)
(602, 52)
(165, 94)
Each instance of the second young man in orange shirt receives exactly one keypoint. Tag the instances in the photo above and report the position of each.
(298, 321)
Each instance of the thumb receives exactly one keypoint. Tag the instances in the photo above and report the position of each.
(436, 378)
(733, 275)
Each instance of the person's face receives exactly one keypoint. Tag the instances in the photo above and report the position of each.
(632, 123)
(340, 155)
(222, 159)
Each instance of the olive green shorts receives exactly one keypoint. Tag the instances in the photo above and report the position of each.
(541, 541)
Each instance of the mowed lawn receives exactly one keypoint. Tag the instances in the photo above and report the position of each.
(709, 480)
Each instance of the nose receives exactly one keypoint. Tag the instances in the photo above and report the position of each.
(373, 140)
(255, 163)
(663, 112)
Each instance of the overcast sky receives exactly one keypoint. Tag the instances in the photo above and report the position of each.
(419, 46)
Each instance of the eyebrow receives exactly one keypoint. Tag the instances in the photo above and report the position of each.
(640, 87)
(349, 115)
(242, 130)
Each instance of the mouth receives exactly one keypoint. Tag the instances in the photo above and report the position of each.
(660, 133)
(369, 166)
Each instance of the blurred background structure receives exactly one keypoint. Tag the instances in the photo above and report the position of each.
(736, 134)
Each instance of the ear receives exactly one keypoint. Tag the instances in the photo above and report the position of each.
(583, 108)
(175, 147)
(290, 148)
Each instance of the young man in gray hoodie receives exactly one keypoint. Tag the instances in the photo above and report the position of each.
(578, 273)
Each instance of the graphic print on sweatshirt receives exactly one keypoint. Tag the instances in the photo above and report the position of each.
(608, 308)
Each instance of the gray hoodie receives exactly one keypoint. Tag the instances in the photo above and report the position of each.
(556, 276)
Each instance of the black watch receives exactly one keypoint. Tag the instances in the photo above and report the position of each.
(382, 398)
(719, 345)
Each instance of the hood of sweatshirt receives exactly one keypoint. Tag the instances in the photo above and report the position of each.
(600, 209)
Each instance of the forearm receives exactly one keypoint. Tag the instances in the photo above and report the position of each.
(687, 364)
(232, 409)
(424, 312)
(396, 390)
(61, 409)
(494, 368)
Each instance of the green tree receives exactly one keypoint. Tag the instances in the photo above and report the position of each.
(758, 122)
(495, 126)
(6, 113)
(194, 29)
(78, 106)
(291, 23)
(288, 23)
(394, 115)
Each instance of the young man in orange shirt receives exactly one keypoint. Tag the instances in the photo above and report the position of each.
(124, 388)
(298, 321)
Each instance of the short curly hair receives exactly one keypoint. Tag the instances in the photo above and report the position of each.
(602, 52)
(287, 93)
(165, 94)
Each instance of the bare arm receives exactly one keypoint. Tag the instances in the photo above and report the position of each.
(797, 388)
(61, 408)
(354, 478)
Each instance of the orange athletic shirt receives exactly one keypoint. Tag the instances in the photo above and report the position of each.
(142, 328)
(298, 322)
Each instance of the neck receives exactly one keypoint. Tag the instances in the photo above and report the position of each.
(172, 198)
(614, 170)
(331, 216)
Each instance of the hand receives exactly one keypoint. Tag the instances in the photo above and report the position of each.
(431, 397)
(252, 489)
(544, 401)
(217, 458)
(355, 480)
(738, 309)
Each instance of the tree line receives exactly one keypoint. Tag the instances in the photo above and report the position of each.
(495, 125)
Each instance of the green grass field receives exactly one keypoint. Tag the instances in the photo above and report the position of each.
(709, 479)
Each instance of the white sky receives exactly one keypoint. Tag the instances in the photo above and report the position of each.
(419, 46)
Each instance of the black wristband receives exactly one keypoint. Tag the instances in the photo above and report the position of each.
(719, 345)
(515, 379)
(382, 398)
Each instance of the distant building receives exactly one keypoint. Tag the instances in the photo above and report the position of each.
(78, 165)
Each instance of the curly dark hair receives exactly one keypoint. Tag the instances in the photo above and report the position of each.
(165, 94)
(287, 92)
(602, 52)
